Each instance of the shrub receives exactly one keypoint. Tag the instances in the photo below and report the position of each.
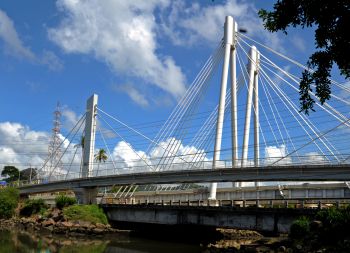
(300, 228)
(33, 206)
(63, 201)
(91, 213)
(335, 223)
(8, 201)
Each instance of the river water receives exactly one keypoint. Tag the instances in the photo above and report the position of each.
(23, 242)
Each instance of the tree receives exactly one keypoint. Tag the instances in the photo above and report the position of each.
(28, 174)
(100, 156)
(11, 172)
(331, 19)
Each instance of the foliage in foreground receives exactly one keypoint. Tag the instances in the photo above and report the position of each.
(91, 213)
(329, 231)
(335, 224)
(64, 201)
(8, 201)
(300, 228)
(331, 21)
(33, 206)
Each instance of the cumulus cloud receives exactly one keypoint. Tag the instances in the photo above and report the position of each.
(127, 159)
(122, 34)
(21, 146)
(15, 46)
(274, 155)
(69, 118)
(313, 158)
(192, 23)
(134, 94)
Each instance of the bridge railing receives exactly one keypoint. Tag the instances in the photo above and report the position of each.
(183, 166)
(256, 203)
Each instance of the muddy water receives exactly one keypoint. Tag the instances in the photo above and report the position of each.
(23, 242)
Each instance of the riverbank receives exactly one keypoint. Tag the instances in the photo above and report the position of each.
(55, 222)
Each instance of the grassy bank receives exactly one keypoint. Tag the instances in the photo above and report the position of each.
(90, 213)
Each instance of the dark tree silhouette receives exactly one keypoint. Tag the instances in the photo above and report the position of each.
(332, 40)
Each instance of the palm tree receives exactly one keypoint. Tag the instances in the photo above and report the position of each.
(81, 145)
(100, 156)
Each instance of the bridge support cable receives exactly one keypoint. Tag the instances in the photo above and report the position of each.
(136, 131)
(274, 108)
(310, 92)
(188, 95)
(230, 31)
(109, 152)
(268, 96)
(300, 65)
(288, 105)
(65, 151)
(70, 164)
(317, 137)
(182, 107)
(121, 137)
(336, 114)
(276, 89)
(42, 172)
(180, 130)
(321, 106)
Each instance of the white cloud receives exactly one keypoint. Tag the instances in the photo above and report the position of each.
(299, 43)
(15, 46)
(51, 60)
(189, 24)
(11, 39)
(312, 158)
(274, 155)
(21, 146)
(134, 94)
(69, 118)
(122, 34)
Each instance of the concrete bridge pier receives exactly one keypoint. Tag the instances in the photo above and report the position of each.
(86, 195)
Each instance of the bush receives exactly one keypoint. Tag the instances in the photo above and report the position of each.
(335, 223)
(91, 213)
(63, 201)
(300, 228)
(8, 201)
(33, 206)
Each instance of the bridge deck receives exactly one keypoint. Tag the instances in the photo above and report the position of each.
(276, 173)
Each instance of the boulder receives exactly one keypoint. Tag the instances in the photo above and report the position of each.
(67, 224)
(48, 222)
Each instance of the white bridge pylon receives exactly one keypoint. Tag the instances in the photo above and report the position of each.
(230, 43)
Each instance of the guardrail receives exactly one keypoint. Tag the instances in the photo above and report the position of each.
(260, 203)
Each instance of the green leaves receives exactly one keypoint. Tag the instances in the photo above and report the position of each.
(8, 201)
(331, 20)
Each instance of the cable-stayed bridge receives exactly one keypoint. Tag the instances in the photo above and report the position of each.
(238, 122)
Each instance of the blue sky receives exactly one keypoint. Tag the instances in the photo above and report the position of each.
(139, 56)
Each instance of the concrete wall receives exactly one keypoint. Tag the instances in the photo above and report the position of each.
(259, 219)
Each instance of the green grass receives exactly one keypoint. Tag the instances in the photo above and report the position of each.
(63, 201)
(91, 213)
